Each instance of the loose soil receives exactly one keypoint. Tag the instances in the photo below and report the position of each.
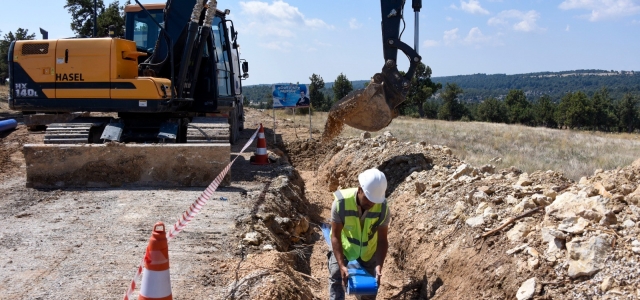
(264, 240)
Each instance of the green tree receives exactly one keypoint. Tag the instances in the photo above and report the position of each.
(82, 15)
(518, 107)
(574, 110)
(544, 111)
(422, 88)
(492, 110)
(628, 113)
(112, 15)
(341, 87)
(318, 101)
(604, 117)
(451, 108)
(20, 34)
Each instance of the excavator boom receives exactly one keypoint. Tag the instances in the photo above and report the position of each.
(375, 106)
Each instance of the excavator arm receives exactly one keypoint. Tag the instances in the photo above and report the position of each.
(375, 106)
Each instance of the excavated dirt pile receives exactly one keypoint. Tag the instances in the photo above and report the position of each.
(578, 241)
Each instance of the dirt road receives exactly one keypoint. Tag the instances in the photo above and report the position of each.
(87, 243)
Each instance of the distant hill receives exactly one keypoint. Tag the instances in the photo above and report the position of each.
(478, 87)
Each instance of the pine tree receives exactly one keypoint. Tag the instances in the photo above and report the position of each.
(341, 87)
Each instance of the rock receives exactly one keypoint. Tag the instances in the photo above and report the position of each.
(463, 169)
(634, 198)
(487, 190)
(488, 169)
(253, 238)
(626, 189)
(527, 289)
(636, 250)
(541, 200)
(389, 136)
(301, 227)
(609, 185)
(606, 284)
(533, 252)
(602, 190)
(570, 205)
(511, 200)
(525, 204)
(488, 213)
(458, 209)
(533, 263)
(550, 235)
(629, 224)
(609, 219)
(475, 221)
(524, 180)
(575, 225)
(518, 232)
(583, 180)
(480, 196)
(636, 212)
(365, 135)
(517, 249)
(550, 193)
(591, 215)
(268, 247)
(481, 207)
(447, 151)
(420, 187)
(587, 257)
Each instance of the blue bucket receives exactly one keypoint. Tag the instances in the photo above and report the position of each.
(360, 281)
(8, 124)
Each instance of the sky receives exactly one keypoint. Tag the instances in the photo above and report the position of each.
(288, 41)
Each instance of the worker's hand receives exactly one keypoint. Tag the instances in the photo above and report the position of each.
(345, 275)
(378, 274)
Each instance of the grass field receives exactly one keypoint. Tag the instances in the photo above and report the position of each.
(575, 153)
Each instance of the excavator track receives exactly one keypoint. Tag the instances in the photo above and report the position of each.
(208, 130)
(67, 133)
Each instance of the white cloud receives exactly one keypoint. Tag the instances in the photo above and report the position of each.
(277, 19)
(522, 21)
(472, 7)
(567, 29)
(635, 22)
(450, 36)
(449, 19)
(475, 37)
(353, 24)
(280, 46)
(603, 9)
(430, 43)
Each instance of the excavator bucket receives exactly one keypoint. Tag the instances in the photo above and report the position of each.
(125, 165)
(369, 109)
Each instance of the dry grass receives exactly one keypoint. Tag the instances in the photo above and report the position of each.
(575, 153)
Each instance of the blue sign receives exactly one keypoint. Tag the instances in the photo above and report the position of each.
(290, 95)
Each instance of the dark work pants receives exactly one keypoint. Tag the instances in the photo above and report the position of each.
(336, 290)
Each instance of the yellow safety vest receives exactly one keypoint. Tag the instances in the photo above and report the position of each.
(359, 242)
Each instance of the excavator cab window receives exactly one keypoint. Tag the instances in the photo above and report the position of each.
(145, 30)
(222, 57)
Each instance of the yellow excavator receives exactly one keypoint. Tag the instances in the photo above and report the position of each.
(161, 106)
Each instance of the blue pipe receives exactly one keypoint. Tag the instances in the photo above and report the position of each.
(8, 124)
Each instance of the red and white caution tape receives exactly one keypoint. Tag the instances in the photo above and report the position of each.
(190, 213)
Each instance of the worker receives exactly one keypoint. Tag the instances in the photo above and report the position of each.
(353, 209)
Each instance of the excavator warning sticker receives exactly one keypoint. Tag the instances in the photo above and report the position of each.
(142, 103)
(23, 91)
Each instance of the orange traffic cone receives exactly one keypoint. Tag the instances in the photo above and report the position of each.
(156, 282)
(261, 157)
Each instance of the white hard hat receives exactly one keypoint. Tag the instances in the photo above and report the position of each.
(374, 184)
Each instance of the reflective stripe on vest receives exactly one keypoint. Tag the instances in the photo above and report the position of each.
(356, 242)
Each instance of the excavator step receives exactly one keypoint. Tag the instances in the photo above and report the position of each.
(208, 130)
(67, 133)
(125, 165)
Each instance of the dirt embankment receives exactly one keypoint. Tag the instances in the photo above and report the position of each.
(581, 242)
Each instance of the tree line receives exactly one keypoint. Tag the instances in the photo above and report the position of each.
(428, 98)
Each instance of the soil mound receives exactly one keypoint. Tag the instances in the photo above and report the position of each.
(579, 240)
